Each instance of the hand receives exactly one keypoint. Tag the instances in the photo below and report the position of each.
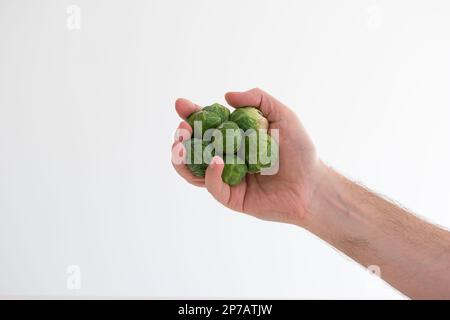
(282, 197)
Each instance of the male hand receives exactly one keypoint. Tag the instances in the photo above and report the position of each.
(282, 197)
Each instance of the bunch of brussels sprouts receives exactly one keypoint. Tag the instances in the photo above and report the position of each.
(240, 138)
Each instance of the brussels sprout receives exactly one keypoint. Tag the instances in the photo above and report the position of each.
(208, 120)
(249, 118)
(227, 138)
(220, 110)
(234, 170)
(198, 155)
(261, 151)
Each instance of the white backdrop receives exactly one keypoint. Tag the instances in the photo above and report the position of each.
(87, 117)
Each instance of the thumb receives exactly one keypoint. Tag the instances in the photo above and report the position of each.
(213, 181)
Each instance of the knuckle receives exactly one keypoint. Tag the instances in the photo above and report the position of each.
(257, 90)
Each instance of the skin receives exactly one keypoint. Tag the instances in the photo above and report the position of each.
(412, 255)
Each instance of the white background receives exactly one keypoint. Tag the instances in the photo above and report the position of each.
(86, 124)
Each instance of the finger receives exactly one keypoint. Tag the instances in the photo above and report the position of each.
(179, 163)
(269, 106)
(213, 181)
(183, 132)
(185, 107)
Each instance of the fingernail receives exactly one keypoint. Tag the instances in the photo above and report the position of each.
(217, 160)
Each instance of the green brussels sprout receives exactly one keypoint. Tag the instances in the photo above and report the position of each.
(208, 120)
(227, 138)
(249, 118)
(220, 110)
(198, 155)
(234, 170)
(261, 151)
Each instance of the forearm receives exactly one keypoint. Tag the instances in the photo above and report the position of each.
(413, 255)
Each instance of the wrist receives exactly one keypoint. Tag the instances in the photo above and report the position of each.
(339, 212)
(327, 207)
(313, 190)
